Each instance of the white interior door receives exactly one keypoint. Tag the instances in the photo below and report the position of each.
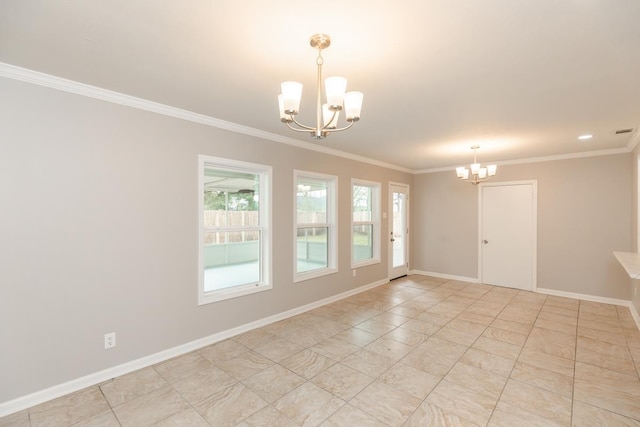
(399, 231)
(508, 235)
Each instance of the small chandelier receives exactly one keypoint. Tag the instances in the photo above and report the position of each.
(326, 114)
(478, 173)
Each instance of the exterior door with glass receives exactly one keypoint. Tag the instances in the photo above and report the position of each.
(398, 230)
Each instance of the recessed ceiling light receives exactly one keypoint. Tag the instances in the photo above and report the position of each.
(583, 137)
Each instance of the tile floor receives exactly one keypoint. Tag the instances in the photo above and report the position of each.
(418, 351)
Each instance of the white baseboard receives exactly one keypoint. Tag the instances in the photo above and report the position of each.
(634, 314)
(594, 298)
(572, 295)
(12, 406)
(585, 297)
(24, 402)
(445, 276)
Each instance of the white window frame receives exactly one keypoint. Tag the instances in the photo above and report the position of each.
(376, 189)
(331, 224)
(265, 214)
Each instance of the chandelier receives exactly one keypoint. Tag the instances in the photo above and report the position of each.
(326, 114)
(478, 173)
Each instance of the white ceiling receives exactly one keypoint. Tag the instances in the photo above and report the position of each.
(521, 78)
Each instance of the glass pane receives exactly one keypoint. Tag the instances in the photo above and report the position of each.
(311, 201)
(231, 199)
(398, 229)
(362, 242)
(312, 248)
(362, 203)
(231, 258)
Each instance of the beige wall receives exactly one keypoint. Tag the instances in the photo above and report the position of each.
(584, 214)
(445, 225)
(99, 234)
(82, 255)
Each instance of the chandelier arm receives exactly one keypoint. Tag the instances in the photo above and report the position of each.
(343, 128)
(305, 128)
(476, 180)
(302, 128)
(330, 121)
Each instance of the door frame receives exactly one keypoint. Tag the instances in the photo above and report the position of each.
(390, 226)
(534, 228)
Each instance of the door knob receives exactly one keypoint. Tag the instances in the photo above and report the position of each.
(485, 241)
(393, 240)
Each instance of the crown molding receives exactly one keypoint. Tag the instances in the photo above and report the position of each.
(567, 156)
(35, 77)
(635, 139)
(42, 79)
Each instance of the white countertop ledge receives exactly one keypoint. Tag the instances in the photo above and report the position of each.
(631, 263)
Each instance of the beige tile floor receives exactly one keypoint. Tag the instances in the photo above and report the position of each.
(418, 351)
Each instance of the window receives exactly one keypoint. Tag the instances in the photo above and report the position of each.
(315, 241)
(234, 228)
(365, 223)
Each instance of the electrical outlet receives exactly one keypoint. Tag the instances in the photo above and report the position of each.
(109, 340)
(354, 272)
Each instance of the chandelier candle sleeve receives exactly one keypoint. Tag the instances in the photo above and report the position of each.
(291, 96)
(353, 105)
(335, 88)
(462, 172)
(327, 114)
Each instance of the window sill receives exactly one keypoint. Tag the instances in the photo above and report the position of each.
(235, 292)
(313, 274)
(365, 263)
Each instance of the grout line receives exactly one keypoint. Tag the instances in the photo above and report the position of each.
(516, 360)
(575, 361)
(454, 292)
